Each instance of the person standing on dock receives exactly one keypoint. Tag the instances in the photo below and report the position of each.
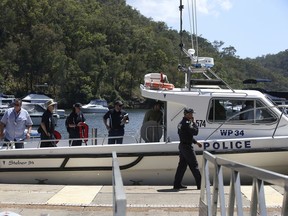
(187, 128)
(116, 123)
(15, 120)
(74, 121)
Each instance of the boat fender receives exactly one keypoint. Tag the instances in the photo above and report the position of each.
(83, 131)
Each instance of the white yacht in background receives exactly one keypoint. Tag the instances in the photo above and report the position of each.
(41, 99)
(5, 100)
(36, 98)
(95, 106)
(36, 111)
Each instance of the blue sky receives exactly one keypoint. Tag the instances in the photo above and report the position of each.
(253, 27)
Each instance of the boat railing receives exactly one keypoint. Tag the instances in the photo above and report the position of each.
(221, 93)
(282, 108)
(208, 79)
(208, 203)
(103, 140)
(119, 196)
(8, 145)
(152, 132)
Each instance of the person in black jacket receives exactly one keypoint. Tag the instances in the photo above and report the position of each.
(115, 120)
(47, 126)
(187, 128)
(74, 120)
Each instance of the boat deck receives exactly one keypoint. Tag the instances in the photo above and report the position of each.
(56, 200)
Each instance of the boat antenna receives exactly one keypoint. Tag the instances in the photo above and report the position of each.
(193, 24)
(190, 22)
(181, 7)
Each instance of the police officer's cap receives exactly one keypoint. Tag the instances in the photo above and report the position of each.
(188, 110)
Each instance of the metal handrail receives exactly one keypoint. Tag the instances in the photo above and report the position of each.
(119, 196)
(259, 177)
(35, 142)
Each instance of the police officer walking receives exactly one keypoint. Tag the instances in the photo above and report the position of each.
(187, 128)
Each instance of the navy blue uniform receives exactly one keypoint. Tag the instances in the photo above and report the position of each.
(74, 119)
(187, 156)
(48, 120)
(116, 125)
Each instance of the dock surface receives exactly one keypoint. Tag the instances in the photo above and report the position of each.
(63, 200)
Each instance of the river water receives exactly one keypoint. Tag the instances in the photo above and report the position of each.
(95, 120)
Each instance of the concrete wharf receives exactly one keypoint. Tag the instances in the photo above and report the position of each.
(72, 200)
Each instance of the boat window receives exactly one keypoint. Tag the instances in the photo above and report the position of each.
(266, 116)
(239, 111)
(217, 112)
(279, 103)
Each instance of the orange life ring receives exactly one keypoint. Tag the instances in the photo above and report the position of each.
(83, 131)
(160, 85)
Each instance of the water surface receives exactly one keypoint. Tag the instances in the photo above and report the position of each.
(95, 120)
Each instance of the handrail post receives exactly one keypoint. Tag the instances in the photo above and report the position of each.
(259, 176)
(119, 197)
(94, 136)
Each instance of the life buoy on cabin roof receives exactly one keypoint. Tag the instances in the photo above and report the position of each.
(159, 85)
(157, 81)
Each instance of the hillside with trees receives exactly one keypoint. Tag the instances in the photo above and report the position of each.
(86, 49)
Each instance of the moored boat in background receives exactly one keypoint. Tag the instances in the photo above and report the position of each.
(36, 111)
(95, 106)
(42, 99)
(5, 99)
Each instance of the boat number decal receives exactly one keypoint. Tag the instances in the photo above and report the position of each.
(201, 123)
(228, 145)
(232, 132)
(17, 163)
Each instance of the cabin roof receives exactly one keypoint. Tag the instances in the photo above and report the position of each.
(180, 92)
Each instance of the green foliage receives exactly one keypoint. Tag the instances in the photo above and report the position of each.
(102, 49)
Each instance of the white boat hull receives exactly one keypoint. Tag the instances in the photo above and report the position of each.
(153, 163)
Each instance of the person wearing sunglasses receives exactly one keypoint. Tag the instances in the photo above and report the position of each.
(15, 120)
(115, 120)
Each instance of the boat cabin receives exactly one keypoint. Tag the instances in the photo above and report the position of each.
(220, 113)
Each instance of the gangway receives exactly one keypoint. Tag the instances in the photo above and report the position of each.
(208, 203)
